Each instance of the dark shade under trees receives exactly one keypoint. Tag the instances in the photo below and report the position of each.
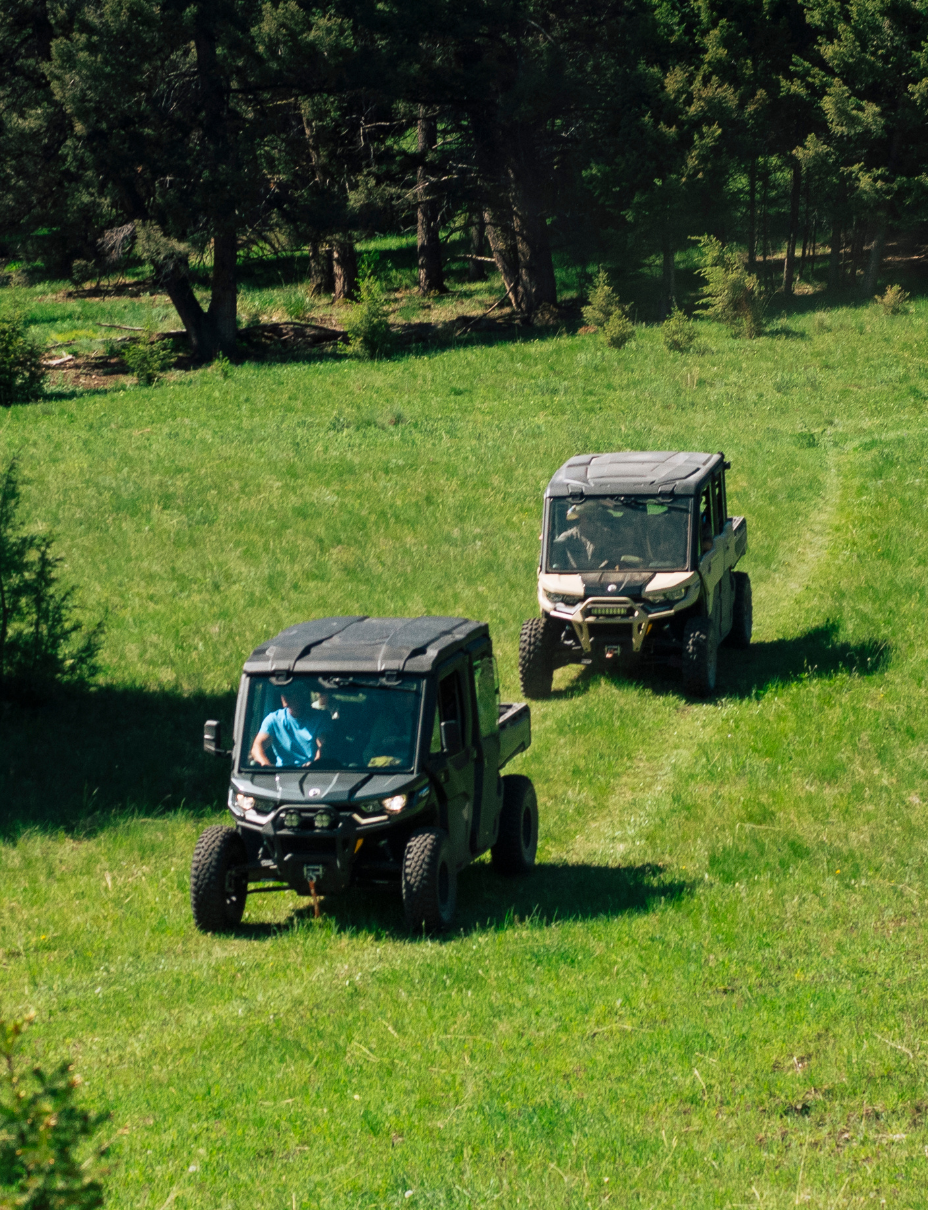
(198, 130)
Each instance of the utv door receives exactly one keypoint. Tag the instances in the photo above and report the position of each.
(454, 770)
(715, 535)
(487, 796)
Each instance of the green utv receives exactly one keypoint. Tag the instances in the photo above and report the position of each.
(637, 563)
(366, 751)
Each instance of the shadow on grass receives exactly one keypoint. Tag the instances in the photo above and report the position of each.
(815, 655)
(88, 757)
(487, 901)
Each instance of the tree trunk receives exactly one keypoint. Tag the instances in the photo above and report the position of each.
(478, 239)
(223, 303)
(764, 223)
(795, 196)
(345, 268)
(172, 277)
(876, 257)
(537, 285)
(214, 331)
(668, 279)
(805, 234)
(216, 328)
(504, 252)
(856, 249)
(814, 249)
(752, 215)
(321, 271)
(834, 257)
(428, 243)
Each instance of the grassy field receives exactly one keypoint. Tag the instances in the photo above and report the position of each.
(712, 991)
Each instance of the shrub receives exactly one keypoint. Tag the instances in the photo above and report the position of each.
(618, 329)
(731, 295)
(41, 1126)
(608, 314)
(147, 358)
(22, 375)
(894, 300)
(678, 331)
(41, 642)
(83, 272)
(368, 324)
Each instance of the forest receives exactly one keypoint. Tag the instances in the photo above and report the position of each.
(190, 135)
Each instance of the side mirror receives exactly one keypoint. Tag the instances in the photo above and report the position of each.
(212, 738)
(451, 740)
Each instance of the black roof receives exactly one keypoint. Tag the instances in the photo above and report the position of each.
(633, 472)
(362, 644)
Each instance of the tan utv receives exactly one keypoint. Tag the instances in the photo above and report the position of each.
(638, 553)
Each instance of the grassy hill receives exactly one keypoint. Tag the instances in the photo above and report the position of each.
(712, 990)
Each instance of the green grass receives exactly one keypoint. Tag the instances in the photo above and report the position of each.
(712, 990)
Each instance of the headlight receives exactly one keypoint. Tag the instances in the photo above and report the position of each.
(244, 802)
(395, 804)
(324, 819)
(292, 819)
(371, 807)
(563, 598)
(668, 594)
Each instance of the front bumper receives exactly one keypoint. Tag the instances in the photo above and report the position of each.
(328, 857)
(637, 616)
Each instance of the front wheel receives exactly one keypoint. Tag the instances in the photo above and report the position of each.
(742, 618)
(536, 656)
(218, 880)
(700, 657)
(517, 843)
(429, 882)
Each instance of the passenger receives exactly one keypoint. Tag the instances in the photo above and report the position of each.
(663, 541)
(296, 734)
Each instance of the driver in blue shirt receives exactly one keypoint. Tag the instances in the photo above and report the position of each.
(295, 735)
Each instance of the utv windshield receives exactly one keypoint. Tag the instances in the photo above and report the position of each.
(337, 722)
(618, 534)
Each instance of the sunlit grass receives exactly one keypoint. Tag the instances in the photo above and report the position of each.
(711, 992)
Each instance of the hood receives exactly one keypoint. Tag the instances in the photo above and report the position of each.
(615, 583)
(312, 788)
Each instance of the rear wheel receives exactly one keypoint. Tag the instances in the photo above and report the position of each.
(517, 843)
(536, 656)
(700, 656)
(429, 882)
(218, 880)
(742, 620)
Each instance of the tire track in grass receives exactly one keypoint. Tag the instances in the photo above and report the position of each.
(642, 798)
(776, 594)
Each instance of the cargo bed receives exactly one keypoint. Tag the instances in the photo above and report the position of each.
(515, 730)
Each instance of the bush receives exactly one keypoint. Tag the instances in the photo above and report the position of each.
(22, 375)
(83, 272)
(368, 324)
(678, 331)
(147, 358)
(608, 314)
(618, 329)
(894, 300)
(731, 295)
(40, 1129)
(41, 643)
